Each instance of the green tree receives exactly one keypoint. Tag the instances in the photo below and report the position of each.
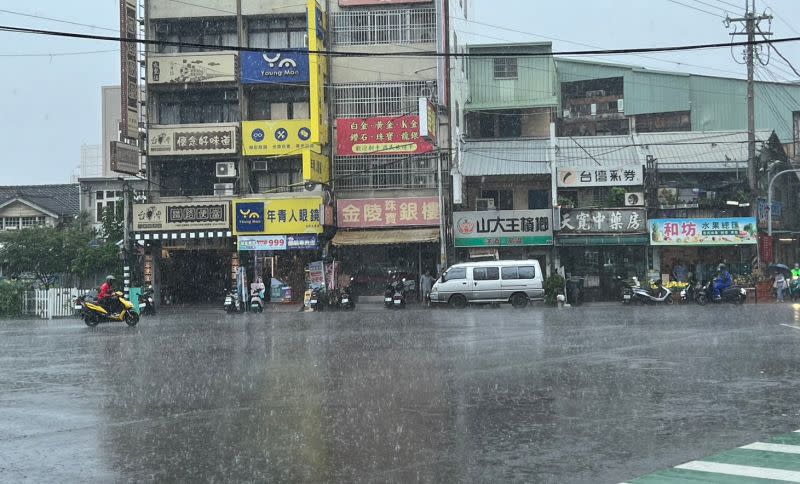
(112, 229)
(40, 252)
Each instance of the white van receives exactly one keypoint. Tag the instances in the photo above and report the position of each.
(513, 281)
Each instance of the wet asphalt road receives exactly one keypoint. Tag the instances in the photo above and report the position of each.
(490, 395)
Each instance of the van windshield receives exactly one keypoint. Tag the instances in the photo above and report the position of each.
(454, 273)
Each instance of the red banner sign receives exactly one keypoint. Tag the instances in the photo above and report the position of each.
(383, 135)
(388, 212)
(765, 245)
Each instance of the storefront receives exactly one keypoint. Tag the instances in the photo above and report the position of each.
(386, 237)
(189, 250)
(700, 245)
(506, 234)
(603, 246)
(278, 237)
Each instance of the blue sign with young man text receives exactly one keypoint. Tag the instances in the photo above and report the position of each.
(249, 217)
(274, 67)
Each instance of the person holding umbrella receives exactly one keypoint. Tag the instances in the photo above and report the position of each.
(781, 272)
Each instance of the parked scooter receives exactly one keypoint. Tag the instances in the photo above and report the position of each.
(395, 295)
(346, 299)
(691, 292)
(257, 300)
(642, 295)
(732, 294)
(93, 313)
(625, 288)
(232, 302)
(147, 305)
(314, 300)
(794, 288)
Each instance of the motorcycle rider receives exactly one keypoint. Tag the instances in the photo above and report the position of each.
(796, 271)
(106, 296)
(723, 281)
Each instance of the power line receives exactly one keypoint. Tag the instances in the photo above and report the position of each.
(634, 50)
(59, 54)
(51, 19)
(695, 8)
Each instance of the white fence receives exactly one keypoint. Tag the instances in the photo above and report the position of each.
(52, 303)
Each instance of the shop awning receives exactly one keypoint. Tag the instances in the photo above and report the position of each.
(602, 240)
(194, 234)
(385, 237)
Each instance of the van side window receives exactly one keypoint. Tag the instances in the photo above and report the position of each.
(456, 273)
(527, 272)
(509, 273)
(485, 273)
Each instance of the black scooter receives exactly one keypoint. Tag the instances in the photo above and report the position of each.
(146, 303)
(233, 303)
(346, 299)
(394, 297)
(732, 295)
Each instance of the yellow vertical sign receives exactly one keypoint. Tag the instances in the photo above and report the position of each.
(318, 71)
(316, 167)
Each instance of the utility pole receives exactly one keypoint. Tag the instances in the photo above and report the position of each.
(750, 22)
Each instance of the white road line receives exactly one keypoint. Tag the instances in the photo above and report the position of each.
(739, 470)
(793, 327)
(786, 449)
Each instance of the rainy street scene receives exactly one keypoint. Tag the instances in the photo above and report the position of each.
(400, 241)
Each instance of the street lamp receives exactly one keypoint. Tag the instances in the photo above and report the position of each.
(769, 197)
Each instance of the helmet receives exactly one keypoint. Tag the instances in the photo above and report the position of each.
(110, 278)
(796, 265)
(721, 267)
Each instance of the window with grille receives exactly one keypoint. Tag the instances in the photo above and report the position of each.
(380, 99)
(11, 223)
(277, 33)
(395, 26)
(203, 106)
(505, 68)
(29, 222)
(218, 32)
(282, 175)
(385, 172)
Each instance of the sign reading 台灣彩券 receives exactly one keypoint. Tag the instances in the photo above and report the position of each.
(630, 175)
(381, 135)
(499, 228)
(279, 216)
(603, 221)
(388, 212)
(703, 231)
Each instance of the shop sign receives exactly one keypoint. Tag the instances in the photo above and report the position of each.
(261, 242)
(501, 228)
(302, 242)
(603, 221)
(281, 137)
(388, 212)
(180, 216)
(763, 213)
(316, 167)
(766, 248)
(385, 135)
(202, 139)
(124, 158)
(129, 70)
(353, 3)
(318, 72)
(278, 216)
(703, 231)
(274, 67)
(316, 274)
(428, 122)
(629, 175)
(190, 68)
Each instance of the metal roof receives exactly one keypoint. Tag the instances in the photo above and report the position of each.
(506, 157)
(698, 151)
(589, 151)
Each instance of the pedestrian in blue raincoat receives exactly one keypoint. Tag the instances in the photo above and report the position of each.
(723, 281)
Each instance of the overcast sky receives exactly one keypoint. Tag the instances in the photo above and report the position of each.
(50, 105)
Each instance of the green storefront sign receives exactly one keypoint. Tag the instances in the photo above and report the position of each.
(503, 228)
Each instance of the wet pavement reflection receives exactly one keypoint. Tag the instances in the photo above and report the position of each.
(487, 395)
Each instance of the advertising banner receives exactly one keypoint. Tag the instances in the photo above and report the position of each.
(129, 70)
(318, 72)
(274, 67)
(278, 216)
(603, 221)
(302, 242)
(763, 214)
(500, 228)
(316, 274)
(261, 242)
(316, 167)
(181, 216)
(191, 68)
(281, 137)
(428, 122)
(384, 135)
(388, 212)
(124, 158)
(766, 248)
(629, 175)
(198, 139)
(703, 231)
(353, 3)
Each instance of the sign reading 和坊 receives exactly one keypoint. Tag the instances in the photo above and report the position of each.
(703, 231)
(499, 228)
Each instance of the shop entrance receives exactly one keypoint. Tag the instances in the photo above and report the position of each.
(372, 266)
(602, 266)
(192, 276)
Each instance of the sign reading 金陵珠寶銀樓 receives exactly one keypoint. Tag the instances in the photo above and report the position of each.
(630, 175)
(603, 221)
(195, 139)
(388, 212)
(703, 231)
(274, 67)
(152, 217)
(381, 135)
(500, 228)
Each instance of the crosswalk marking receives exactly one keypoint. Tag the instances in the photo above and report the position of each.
(787, 449)
(777, 460)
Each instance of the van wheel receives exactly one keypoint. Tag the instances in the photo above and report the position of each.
(458, 301)
(519, 301)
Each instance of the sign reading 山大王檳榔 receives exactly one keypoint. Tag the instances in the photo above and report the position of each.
(500, 228)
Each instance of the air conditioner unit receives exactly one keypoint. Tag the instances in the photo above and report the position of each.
(231, 95)
(634, 199)
(226, 169)
(260, 165)
(594, 109)
(483, 204)
(223, 189)
(567, 113)
(596, 93)
(620, 105)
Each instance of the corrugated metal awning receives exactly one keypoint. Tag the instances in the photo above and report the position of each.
(385, 237)
(506, 157)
